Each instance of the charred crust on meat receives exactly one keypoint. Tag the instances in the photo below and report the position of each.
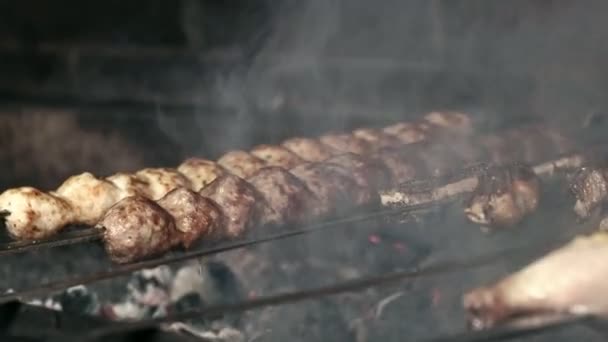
(505, 195)
(242, 205)
(288, 198)
(590, 188)
(137, 227)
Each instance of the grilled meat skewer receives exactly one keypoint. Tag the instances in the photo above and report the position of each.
(84, 198)
(312, 190)
(133, 186)
(348, 179)
(499, 196)
(280, 196)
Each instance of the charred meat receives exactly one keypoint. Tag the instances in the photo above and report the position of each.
(288, 197)
(195, 216)
(242, 205)
(505, 196)
(590, 189)
(137, 227)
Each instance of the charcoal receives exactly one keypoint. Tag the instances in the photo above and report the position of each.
(78, 300)
(190, 301)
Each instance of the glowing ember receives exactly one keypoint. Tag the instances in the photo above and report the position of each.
(400, 247)
(374, 239)
(435, 297)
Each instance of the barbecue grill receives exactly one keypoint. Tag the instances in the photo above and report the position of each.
(108, 102)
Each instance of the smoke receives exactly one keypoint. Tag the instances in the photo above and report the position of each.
(334, 62)
(345, 63)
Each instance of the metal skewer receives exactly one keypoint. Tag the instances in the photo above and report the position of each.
(359, 284)
(416, 201)
(129, 268)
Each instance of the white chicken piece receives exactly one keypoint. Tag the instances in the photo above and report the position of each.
(89, 196)
(129, 185)
(570, 280)
(162, 180)
(33, 214)
(455, 122)
(200, 172)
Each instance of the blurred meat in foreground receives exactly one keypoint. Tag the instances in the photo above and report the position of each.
(570, 280)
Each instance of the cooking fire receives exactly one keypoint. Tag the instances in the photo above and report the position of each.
(303, 170)
(142, 215)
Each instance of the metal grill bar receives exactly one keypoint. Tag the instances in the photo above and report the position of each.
(545, 169)
(129, 268)
(516, 331)
(443, 267)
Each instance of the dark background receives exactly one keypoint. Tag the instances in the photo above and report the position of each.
(113, 85)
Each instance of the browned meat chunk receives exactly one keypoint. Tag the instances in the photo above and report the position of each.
(288, 197)
(346, 143)
(407, 133)
(241, 163)
(242, 205)
(200, 172)
(277, 156)
(505, 196)
(309, 149)
(590, 188)
(377, 138)
(195, 216)
(330, 184)
(135, 228)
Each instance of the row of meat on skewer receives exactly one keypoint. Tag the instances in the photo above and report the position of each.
(150, 211)
(300, 178)
(153, 210)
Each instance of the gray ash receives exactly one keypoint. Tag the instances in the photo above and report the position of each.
(156, 293)
(78, 300)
